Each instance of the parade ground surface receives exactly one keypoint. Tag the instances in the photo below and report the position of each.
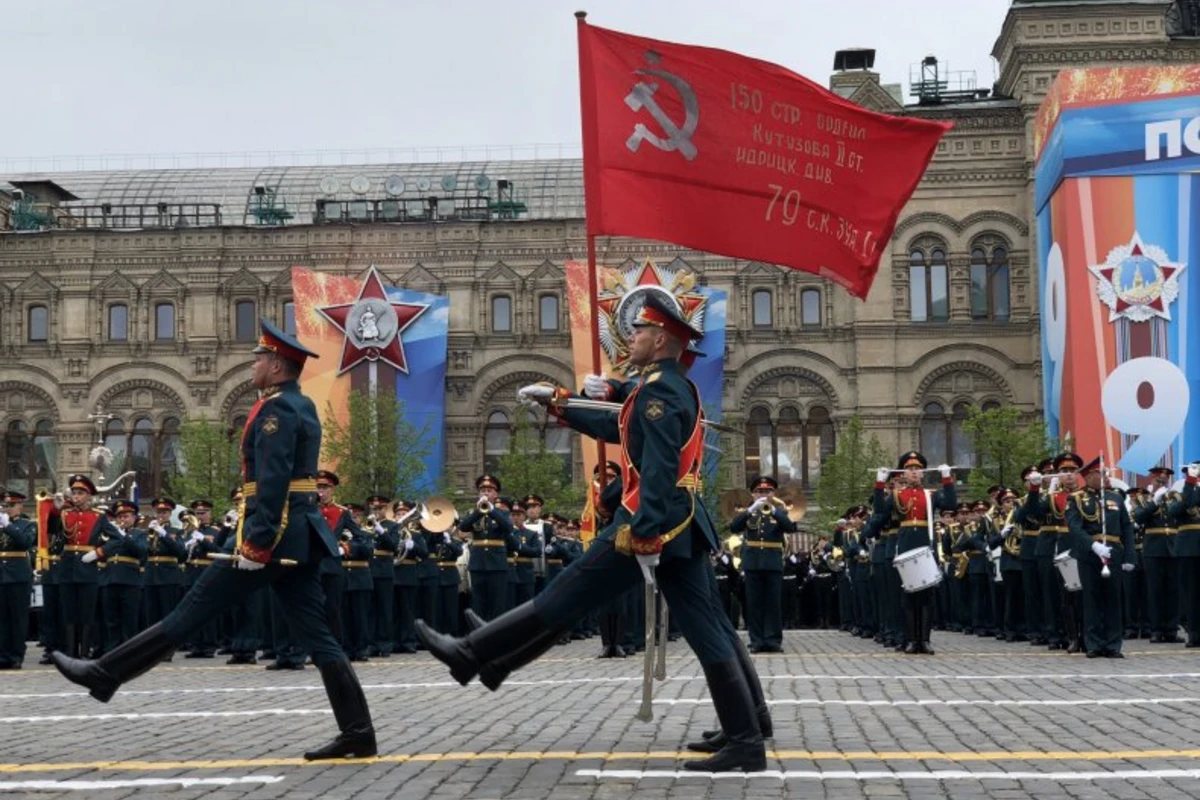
(979, 719)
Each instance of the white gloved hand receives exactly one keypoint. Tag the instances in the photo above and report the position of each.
(648, 563)
(724, 558)
(1035, 478)
(157, 527)
(1193, 470)
(881, 474)
(90, 556)
(1160, 493)
(1101, 550)
(379, 529)
(535, 394)
(756, 505)
(231, 519)
(549, 551)
(1006, 530)
(59, 500)
(197, 536)
(241, 562)
(189, 545)
(408, 545)
(945, 470)
(3, 520)
(1054, 484)
(1127, 567)
(812, 573)
(596, 387)
(446, 537)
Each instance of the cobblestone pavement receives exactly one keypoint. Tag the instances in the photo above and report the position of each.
(979, 719)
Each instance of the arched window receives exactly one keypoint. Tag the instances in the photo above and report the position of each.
(810, 307)
(548, 312)
(501, 313)
(788, 448)
(114, 440)
(934, 434)
(39, 324)
(29, 457)
(497, 440)
(141, 453)
(245, 321)
(17, 454)
(289, 318)
(929, 285)
(760, 299)
(169, 461)
(557, 439)
(962, 449)
(164, 322)
(989, 283)
(118, 322)
(45, 455)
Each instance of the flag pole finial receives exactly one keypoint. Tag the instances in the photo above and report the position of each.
(581, 15)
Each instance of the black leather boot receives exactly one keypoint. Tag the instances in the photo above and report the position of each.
(357, 735)
(743, 748)
(493, 673)
(765, 725)
(102, 677)
(912, 635)
(502, 636)
(70, 642)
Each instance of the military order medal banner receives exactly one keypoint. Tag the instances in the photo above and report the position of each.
(731, 155)
(1118, 200)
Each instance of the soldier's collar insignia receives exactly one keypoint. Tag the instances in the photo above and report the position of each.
(270, 424)
(655, 410)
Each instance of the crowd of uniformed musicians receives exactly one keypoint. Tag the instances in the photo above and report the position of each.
(112, 572)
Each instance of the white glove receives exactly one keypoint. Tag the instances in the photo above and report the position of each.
(189, 545)
(945, 470)
(1193, 470)
(157, 527)
(1101, 550)
(549, 551)
(881, 474)
(648, 563)
(1128, 567)
(535, 394)
(197, 537)
(408, 545)
(1160, 494)
(3, 520)
(1035, 478)
(1006, 530)
(1054, 484)
(345, 535)
(231, 519)
(812, 573)
(446, 537)
(596, 387)
(724, 558)
(756, 505)
(244, 563)
(379, 529)
(59, 500)
(90, 556)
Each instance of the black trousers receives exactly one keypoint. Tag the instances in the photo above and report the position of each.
(14, 621)
(523, 593)
(764, 608)
(333, 584)
(489, 593)
(285, 643)
(981, 617)
(301, 599)
(50, 625)
(824, 585)
(159, 601)
(77, 602)
(1014, 602)
(383, 604)
(1162, 594)
(447, 615)
(121, 607)
(1102, 629)
(1052, 601)
(1189, 580)
(427, 605)
(245, 636)
(358, 621)
(1031, 586)
(406, 615)
(846, 611)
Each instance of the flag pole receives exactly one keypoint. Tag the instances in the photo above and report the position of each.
(593, 272)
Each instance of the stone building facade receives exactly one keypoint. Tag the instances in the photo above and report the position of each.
(152, 320)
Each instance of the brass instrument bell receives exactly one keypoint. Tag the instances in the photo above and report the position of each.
(438, 515)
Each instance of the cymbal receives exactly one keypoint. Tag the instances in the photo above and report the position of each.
(796, 501)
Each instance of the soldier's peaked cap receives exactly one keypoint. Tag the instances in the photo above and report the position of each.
(1161, 471)
(1068, 461)
(273, 340)
(912, 459)
(82, 482)
(661, 312)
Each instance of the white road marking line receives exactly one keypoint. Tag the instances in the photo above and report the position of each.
(1131, 701)
(167, 715)
(133, 783)
(890, 775)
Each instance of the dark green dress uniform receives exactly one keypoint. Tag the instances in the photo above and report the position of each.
(411, 551)
(280, 524)
(163, 577)
(1010, 594)
(17, 538)
(1031, 582)
(1102, 629)
(428, 577)
(383, 578)
(1187, 551)
(360, 589)
(446, 552)
(333, 574)
(123, 556)
(858, 564)
(203, 641)
(78, 580)
(492, 538)
(529, 553)
(1160, 520)
(1047, 510)
(762, 565)
(247, 621)
(974, 544)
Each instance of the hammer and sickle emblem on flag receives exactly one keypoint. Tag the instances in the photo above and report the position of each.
(676, 137)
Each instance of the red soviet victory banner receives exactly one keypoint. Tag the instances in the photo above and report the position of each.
(731, 155)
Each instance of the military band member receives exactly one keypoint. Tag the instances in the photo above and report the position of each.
(360, 589)
(1012, 612)
(244, 637)
(975, 544)
(1101, 534)
(543, 533)
(1187, 550)
(383, 576)
(910, 509)
(858, 564)
(122, 553)
(1031, 583)
(882, 535)
(840, 564)
(165, 555)
(763, 524)
(492, 538)
(1049, 511)
(18, 537)
(199, 546)
(1159, 528)
(78, 579)
(411, 550)
(446, 550)
(333, 574)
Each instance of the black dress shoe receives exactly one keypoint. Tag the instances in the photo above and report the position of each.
(1094, 654)
(911, 648)
(242, 659)
(200, 654)
(1074, 647)
(1114, 654)
(45, 659)
(709, 744)
(925, 648)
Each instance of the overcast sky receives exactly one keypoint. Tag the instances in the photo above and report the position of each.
(184, 76)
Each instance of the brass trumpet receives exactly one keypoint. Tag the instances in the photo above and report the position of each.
(484, 506)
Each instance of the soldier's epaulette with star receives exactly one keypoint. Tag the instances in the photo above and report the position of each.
(653, 377)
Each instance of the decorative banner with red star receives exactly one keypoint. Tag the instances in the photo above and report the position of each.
(373, 325)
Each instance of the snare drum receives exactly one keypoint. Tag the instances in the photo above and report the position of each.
(1068, 567)
(918, 569)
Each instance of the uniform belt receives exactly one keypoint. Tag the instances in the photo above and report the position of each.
(555, 561)
(1030, 534)
(55, 558)
(1052, 529)
(14, 554)
(1189, 527)
(124, 560)
(1164, 531)
(163, 560)
(524, 560)
(298, 485)
(445, 564)
(79, 548)
(356, 563)
(914, 523)
(383, 554)
(973, 552)
(889, 533)
(763, 544)
(1101, 537)
(488, 543)
(201, 562)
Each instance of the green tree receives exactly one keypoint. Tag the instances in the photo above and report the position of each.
(1005, 444)
(847, 474)
(529, 468)
(377, 450)
(209, 462)
(720, 479)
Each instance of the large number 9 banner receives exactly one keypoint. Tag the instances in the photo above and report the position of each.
(1146, 398)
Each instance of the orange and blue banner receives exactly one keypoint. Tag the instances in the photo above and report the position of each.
(1118, 233)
